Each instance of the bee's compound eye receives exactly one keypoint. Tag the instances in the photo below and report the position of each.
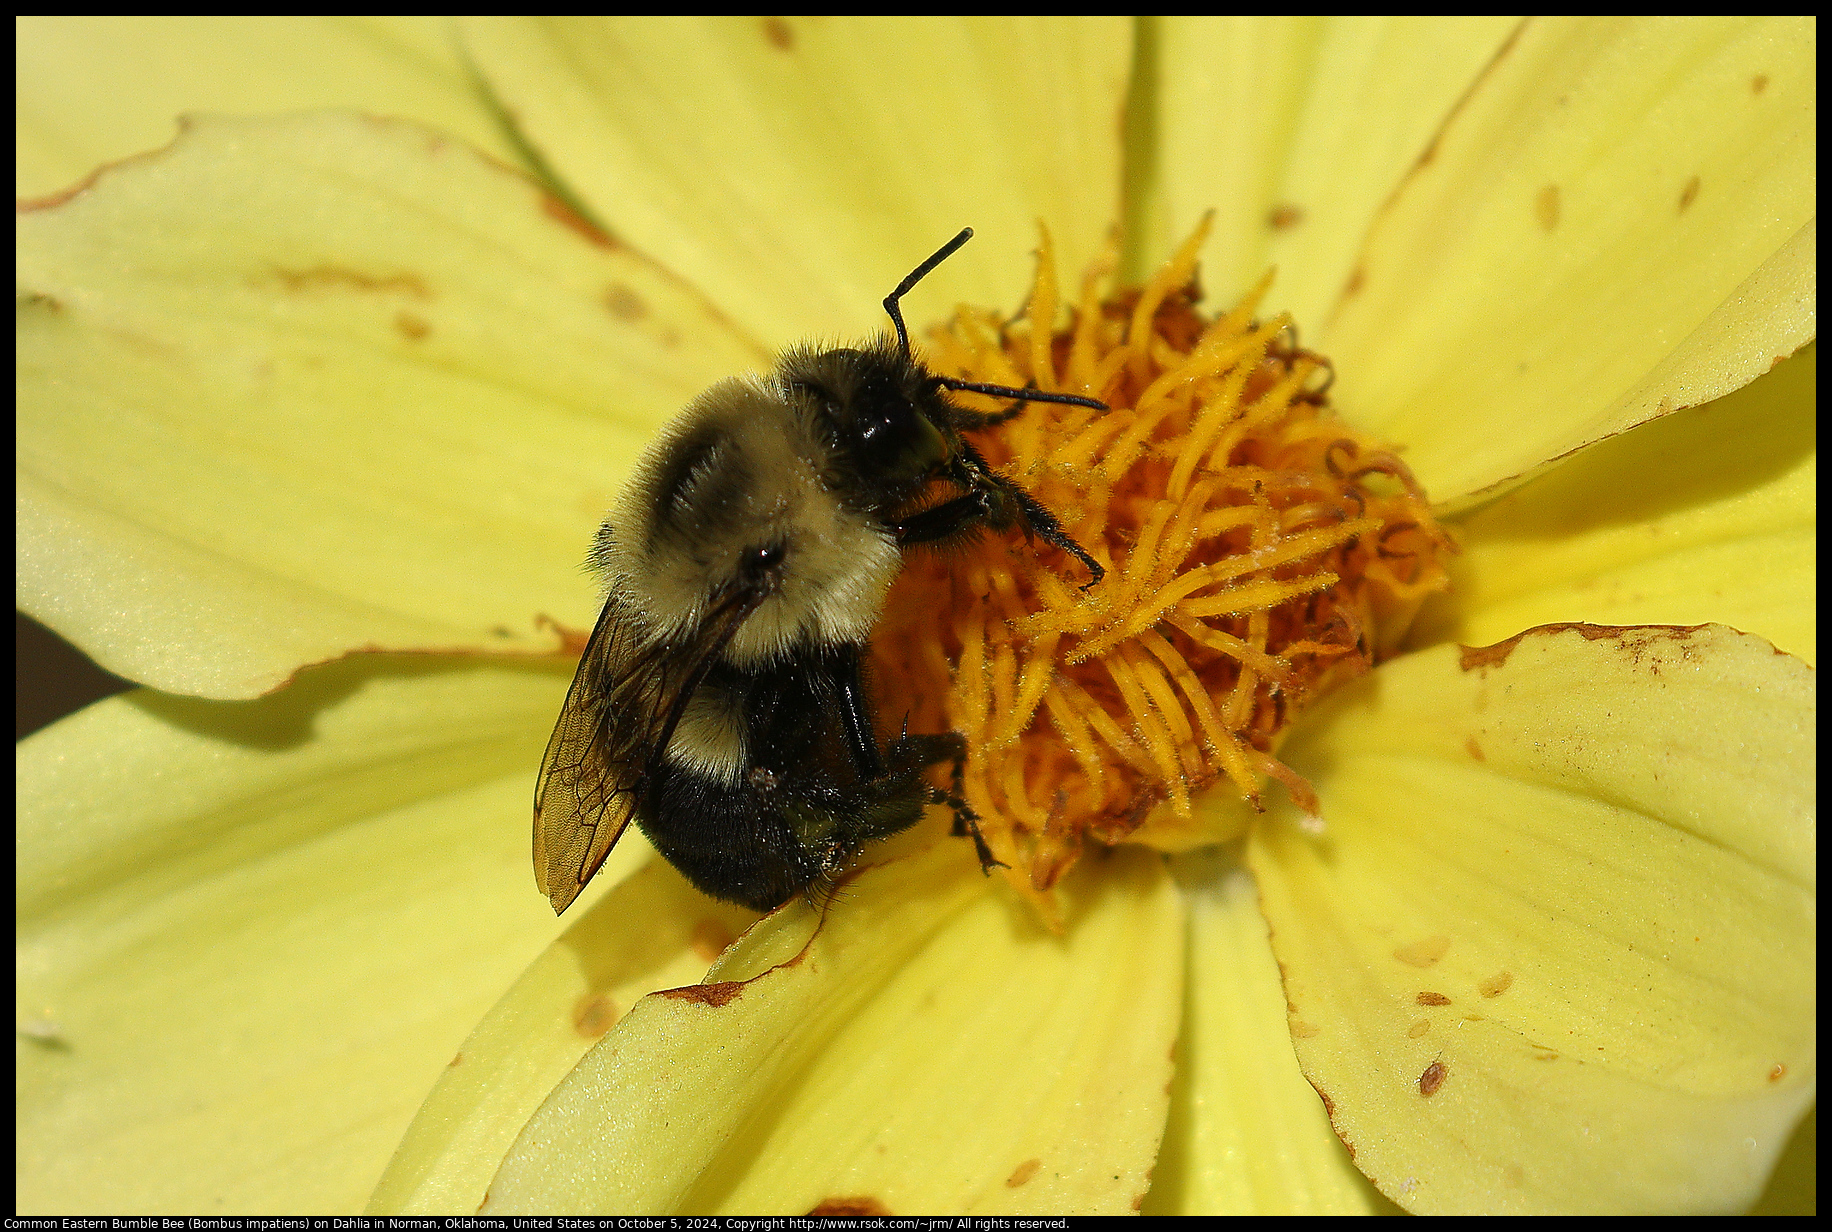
(899, 442)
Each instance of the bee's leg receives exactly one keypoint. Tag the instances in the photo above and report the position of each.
(886, 800)
(855, 716)
(951, 519)
(892, 792)
(912, 753)
(995, 501)
(1023, 509)
(990, 500)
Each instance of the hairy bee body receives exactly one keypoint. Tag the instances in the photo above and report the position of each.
(721, 702)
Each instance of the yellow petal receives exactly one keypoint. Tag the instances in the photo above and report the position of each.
(251, 935)
(1294, 131)
(797, 168)
(1247, 1134)
(651, 931)
(303, 386)
(930, 1049)
(94, 90)
(1555, 950)
(1709, 514)
(1616, 222)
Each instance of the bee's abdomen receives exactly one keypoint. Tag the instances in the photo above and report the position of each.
(731, 840)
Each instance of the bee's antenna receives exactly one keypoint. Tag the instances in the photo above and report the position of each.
(1022, 395)
(916, 276)
(947, 382)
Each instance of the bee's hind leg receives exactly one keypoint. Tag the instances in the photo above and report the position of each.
(891, 794)
(914, 752)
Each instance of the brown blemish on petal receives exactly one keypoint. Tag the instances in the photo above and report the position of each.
(778, 33)
(1418, 1029)
(50, 201)
(1432, 998)
(1432, 1078)
(572, 641)
(1302, 1030)
(1469, 658)
(1778, 1073)
(411, 327)
(1023, 1173)
(323, 277)
(1688, 193)
(1424, 952)
(1496, 984)
(1545, 207)
(26, 205)
(709, 938)
(1450, 117)
(722, 992)
(1648, 646)
(625, 304)
(1758, 83)
(1474, 749)
(1352, 287)
(858, 1205)
(1284, 217)
(594, 1014)
(456, 1061)
(1635, 637)
(566, 216)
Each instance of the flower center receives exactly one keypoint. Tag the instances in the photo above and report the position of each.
(1258, 551)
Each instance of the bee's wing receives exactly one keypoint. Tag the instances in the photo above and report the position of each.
(620, 713)
(586, 794)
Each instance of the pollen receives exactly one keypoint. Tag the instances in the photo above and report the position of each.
(1258, 552)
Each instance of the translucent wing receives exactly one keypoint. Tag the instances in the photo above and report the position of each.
(586, 794)
(619, 715)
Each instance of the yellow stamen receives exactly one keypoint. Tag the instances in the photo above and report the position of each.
(1258, 551)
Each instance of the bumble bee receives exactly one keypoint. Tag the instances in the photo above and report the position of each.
(721, 702)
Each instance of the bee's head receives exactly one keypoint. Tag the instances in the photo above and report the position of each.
(881, 414)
